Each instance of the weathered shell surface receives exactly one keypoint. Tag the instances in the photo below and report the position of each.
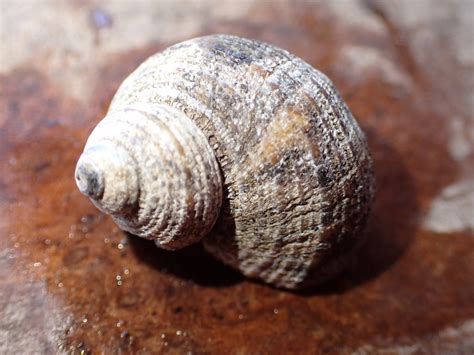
(296, 180)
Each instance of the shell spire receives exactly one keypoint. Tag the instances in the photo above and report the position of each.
(153, 170)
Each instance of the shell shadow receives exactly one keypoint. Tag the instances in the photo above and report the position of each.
(391, 226)
(191, 263)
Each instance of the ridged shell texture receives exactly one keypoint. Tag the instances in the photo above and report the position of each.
(240, 144)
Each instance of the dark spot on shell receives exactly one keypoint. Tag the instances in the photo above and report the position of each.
(326, 219)
(236, 56)
(323, 177)
(327, 215)
(89, 181)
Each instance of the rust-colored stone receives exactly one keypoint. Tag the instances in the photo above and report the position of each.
(410, 288)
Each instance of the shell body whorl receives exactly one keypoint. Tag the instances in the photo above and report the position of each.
(297, 178)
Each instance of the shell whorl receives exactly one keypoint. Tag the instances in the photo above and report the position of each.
(297, 179)
(152, 169)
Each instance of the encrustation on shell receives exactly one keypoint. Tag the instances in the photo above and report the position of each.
(239, 144)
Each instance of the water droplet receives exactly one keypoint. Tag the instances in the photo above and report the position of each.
(84, 320)
(178, 332)
(163, 335)
(120, 323)
(118, 277)
(106, 240)
(37, 264)
(87, 218)
(60, 284)
(121, 245)
(275, 310)
(125, 334)
(126, 271)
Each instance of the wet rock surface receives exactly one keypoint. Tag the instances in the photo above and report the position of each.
(70, 281)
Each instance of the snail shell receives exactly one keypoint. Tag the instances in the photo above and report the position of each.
(240, 144)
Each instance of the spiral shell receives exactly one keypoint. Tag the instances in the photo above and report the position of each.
(240, 144)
